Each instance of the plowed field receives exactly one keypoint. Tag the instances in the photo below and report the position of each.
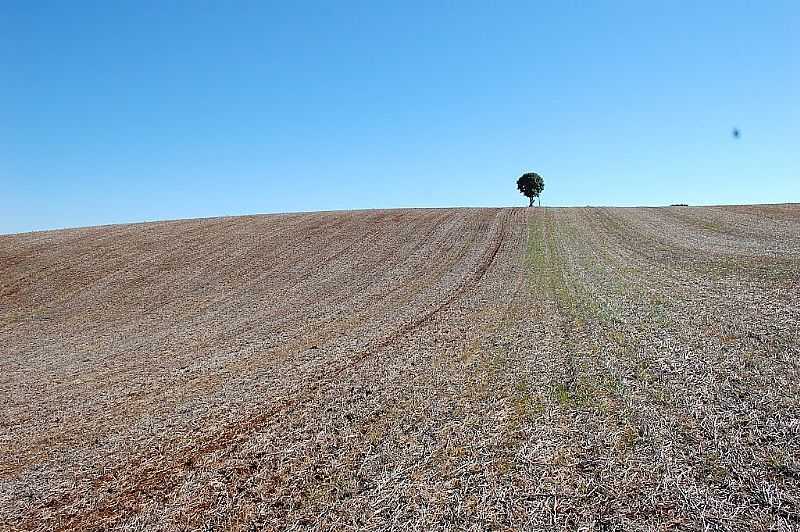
(533, 369)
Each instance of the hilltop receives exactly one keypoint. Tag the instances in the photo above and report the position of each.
(428, 368)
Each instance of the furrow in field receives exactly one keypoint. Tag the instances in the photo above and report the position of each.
(484, 260)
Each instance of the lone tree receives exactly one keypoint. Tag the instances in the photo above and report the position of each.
(531, 185)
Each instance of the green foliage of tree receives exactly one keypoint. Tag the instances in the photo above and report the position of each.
(530, 185)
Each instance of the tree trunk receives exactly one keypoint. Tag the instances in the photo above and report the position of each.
(530, 204)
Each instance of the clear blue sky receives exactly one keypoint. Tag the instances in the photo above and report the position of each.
(129, 111)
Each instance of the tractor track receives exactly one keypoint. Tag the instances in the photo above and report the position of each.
(164, 476)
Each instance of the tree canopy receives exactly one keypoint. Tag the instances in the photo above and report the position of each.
(531, 185)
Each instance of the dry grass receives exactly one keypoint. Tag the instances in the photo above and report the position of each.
(533, 369)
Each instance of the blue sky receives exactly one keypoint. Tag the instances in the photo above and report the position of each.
(128, 111)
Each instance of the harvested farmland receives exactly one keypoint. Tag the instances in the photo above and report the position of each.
(429, 369)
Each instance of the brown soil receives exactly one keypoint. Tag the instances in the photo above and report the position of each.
(434, 369)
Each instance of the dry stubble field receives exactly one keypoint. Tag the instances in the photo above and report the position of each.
(533, 369)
